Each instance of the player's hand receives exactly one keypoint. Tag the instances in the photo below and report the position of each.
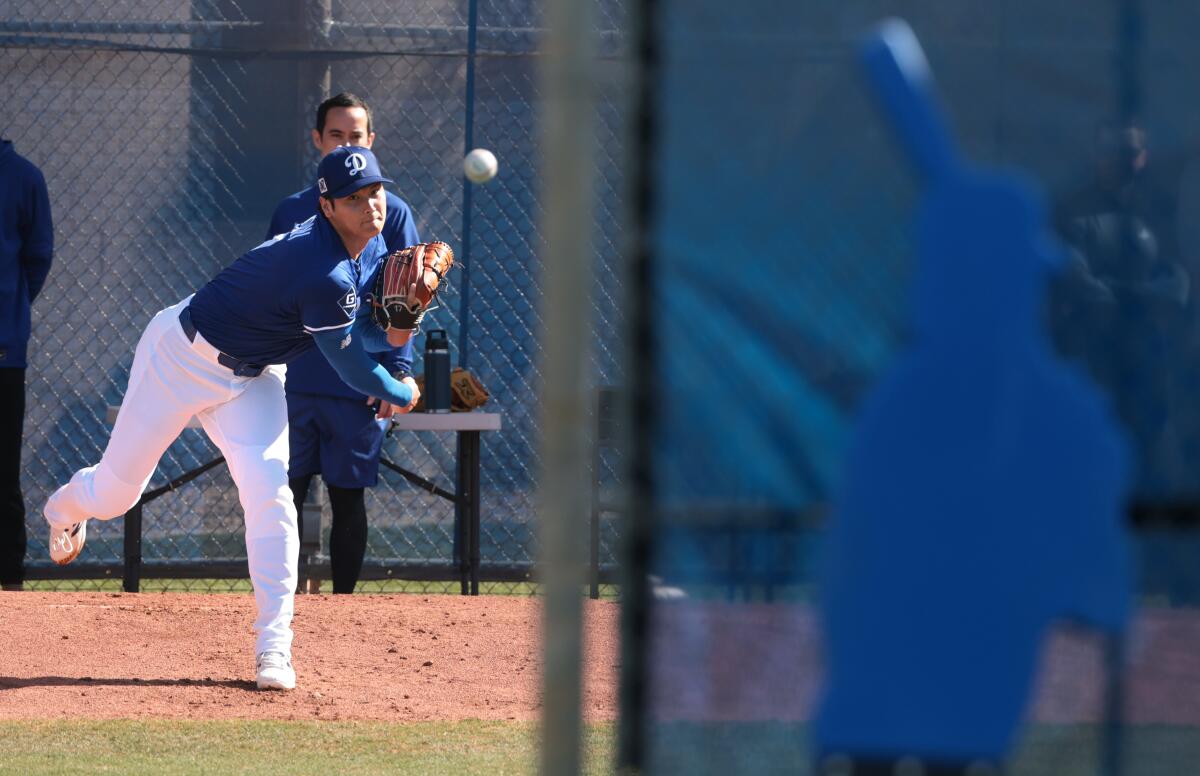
(383, 410)
(416, 391)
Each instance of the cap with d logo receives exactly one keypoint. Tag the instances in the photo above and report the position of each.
(346, 169)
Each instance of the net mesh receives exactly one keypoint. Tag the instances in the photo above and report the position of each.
(782, 242)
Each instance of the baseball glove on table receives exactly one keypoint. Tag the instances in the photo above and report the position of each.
(466, 392)
(408, 283)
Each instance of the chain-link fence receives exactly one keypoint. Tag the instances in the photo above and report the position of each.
(168, 130)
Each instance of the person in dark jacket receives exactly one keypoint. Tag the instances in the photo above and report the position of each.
(26, 247)
(1121, 308)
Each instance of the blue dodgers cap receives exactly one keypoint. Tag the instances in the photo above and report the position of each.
(346, 169)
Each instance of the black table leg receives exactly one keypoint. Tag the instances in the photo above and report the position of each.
(471, 453)
(594, 544)
(462, 517)
(133, 548)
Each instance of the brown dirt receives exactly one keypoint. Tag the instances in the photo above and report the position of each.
(428, 657)
(364, 657)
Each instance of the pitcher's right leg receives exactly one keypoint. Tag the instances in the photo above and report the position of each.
(151, 417)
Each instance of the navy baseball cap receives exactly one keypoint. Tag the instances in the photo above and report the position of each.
(346, 169)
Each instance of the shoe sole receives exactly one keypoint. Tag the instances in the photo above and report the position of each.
(273, 685)
(77, 546)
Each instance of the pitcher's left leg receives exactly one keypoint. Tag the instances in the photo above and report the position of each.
(252, 432)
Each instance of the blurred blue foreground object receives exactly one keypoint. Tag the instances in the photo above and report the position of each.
(982, 497)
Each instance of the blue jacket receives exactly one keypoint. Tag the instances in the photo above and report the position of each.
(26, 247)
(311, 373)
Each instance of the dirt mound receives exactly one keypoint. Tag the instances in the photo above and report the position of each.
(387, 658)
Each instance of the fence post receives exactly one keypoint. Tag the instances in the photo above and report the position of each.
(464, 309)
(568, 77)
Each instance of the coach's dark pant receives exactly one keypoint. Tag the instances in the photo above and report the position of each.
(347, 534)
(12, 505)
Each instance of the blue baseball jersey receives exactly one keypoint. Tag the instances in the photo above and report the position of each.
(311, 373)
(264, 307)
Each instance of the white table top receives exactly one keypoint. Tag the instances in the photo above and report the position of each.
(447, 421)
(413, 421)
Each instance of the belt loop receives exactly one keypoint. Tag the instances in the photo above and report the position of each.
(185, 321)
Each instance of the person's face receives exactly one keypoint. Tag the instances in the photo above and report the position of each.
(360, 215)
(343, 126)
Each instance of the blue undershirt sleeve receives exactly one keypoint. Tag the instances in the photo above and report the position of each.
(357, 369)
(399, 360)
(373, 338)
(374, 341)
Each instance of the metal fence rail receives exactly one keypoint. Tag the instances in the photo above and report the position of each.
(168, 131)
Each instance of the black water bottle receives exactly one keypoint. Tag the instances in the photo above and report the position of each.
(437, 371)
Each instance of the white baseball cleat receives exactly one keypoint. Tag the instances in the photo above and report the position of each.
(66, 543)
(275, 672)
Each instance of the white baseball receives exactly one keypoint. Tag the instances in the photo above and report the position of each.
(480, 165)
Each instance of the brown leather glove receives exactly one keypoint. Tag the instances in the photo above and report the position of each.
(407, 284)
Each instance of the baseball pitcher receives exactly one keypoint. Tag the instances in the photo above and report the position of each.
(221, 355)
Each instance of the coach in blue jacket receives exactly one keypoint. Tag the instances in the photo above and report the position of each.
(332, 428)
(26, 246)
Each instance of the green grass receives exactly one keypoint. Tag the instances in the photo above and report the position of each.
(259, 748)
(381, 586)
(388, 586)
(256, 748)
(781, 749)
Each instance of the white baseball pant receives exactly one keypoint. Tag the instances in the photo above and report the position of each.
(173, 379)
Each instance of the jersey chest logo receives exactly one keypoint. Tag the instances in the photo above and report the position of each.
(349, 303)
